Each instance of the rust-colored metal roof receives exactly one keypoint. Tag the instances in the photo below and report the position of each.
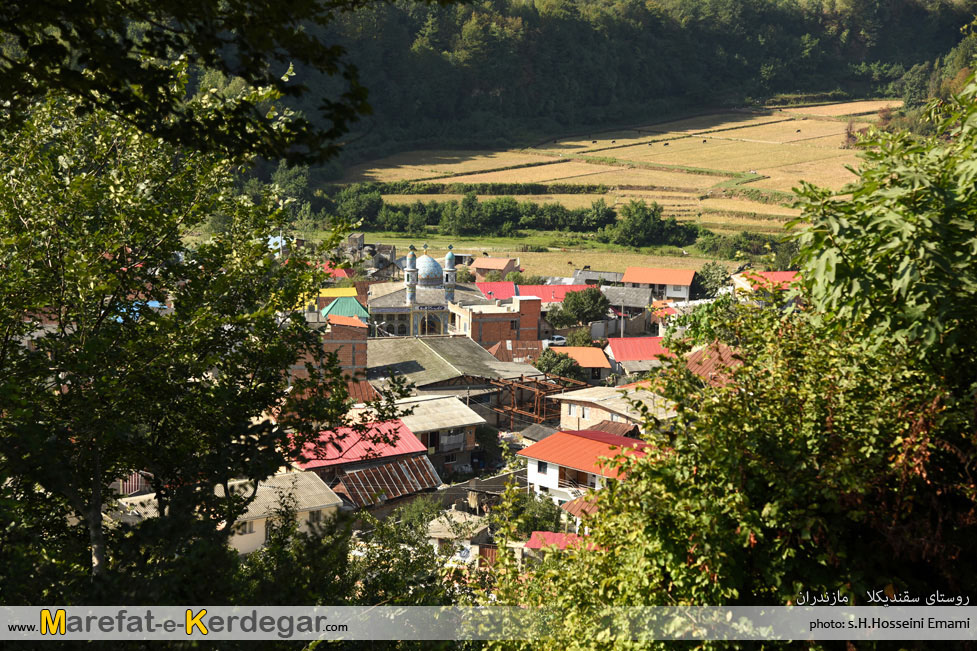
(361, 391)
(388, 481)
(617, 428)
(585, 356)
(515, 350)
(581, 450)
(581, 506)
(649, 276)
(713, 363)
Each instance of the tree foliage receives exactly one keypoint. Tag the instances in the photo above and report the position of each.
(580, 308)
(124, 349)
(554, 362)
(118, 56)
(838, 456)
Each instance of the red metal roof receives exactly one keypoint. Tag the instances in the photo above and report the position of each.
(770, 279)
(498, 290)
(388, 481)
(334, 272)
(581, 450)
(650, 275)
(615, 427)
(637, 349)
(550, 293)
(544, 539)
(345, 445)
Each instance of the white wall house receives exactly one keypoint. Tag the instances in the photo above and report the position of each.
(314, 502)
(565, 465)
(668, 284)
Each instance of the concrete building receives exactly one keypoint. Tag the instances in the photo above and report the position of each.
(585, 408)
(490, 323)
(314, 502)
(675, 284)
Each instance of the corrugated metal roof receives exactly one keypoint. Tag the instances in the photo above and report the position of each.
(361, 391)
(585, 356)
(309, 491)
(634, 349)
(581, 450)
(765, 279)
(617, 400)
(346, 445)
(651, 275)
(432, 413)
(336, 292)
(388, 481)
(550, 293)
(348, 321)
(616, 427)
(335, 272)
(544, 539)
(346, 306)
(491, 263)
(581, 506)
(497, 290)
(713, 363)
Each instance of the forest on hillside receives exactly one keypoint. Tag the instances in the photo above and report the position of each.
(503, 72)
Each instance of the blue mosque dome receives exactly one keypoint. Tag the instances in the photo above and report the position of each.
(429, 272)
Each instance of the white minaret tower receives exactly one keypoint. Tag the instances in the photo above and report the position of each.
(410, 276)
(450, 275)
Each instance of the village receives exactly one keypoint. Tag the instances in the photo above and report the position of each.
(482, 413)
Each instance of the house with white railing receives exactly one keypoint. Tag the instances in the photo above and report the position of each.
(565, 465)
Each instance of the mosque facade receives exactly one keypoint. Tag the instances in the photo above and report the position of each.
(420, 306)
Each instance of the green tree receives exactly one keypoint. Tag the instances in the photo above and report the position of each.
(580, 337)
(123, 349)
(493, 276)
(124, 66)
(709, 280)
(464, 275)
(896, 255)
(580, 308)
(556, 363)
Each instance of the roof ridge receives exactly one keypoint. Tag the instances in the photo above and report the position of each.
(440, 356)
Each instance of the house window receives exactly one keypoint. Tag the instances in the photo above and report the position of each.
(315, 517)
(244, 528)
(571, 409)
(595, 374)
(450, 458)
(541, 467)
(544, 490)
(585, 412)
(514, 325)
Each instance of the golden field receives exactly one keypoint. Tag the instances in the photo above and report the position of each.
(767, 150)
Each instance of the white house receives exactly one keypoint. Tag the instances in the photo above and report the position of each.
(314, 502)
(565, 465)
(675, 284)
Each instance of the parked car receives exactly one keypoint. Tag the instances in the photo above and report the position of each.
(555, 340)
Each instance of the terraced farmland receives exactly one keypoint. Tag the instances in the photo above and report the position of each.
(692, 167)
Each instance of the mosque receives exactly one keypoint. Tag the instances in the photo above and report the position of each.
(419, 306)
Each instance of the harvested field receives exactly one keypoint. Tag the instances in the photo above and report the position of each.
(830, 173)
(413, 165)
(846, 108)
(638, 177)
(725, 154)
(712, 122)
(553, 173)
(567, 200)
(562, 263)
(747, 206)
(792, 131)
